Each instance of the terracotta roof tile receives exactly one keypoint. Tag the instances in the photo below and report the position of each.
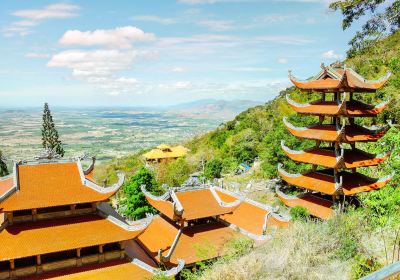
(316, 206)
(31, 239)
(6, 185)
(52, 184)
(118, 270)
(200, 204)
(196, 243)
(346, 80)
(247, 216)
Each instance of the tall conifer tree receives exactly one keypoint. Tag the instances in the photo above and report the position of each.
(50, 138)
(3, 166)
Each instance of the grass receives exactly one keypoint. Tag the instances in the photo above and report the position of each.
(346, 247)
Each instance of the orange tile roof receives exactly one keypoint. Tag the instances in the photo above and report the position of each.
(314, 181)
(42, 237)
(353, 183)
(336, 79)
(165, 151)
(331, 108)
(196, 243)
(118, 269)
(317, 156)
(50, 184)
(5, 185)
(317, 132)
(316, 206)
(200, 204)
(356, 133)
(246, 216)
(327, 158)
(164, 206)
(352, 133)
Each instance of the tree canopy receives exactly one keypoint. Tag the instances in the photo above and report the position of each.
(384, 20)
(135, 204)
(3, 166)
(50, 137)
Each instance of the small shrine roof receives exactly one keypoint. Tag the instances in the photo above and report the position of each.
(165, 151)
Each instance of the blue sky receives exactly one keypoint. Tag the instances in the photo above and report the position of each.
(150, 53)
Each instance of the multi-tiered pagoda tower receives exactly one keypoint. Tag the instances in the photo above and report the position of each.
(336, 156)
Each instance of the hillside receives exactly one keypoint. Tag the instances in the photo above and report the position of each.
(351, 245)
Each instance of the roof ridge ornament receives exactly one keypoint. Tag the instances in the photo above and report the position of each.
(48, 154)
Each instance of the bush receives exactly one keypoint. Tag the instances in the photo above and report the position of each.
(299, 213)
(213, 169)
(177, 172)
(363, 266)
(135, 204)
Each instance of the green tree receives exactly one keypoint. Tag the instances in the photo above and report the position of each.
(135, 204)
(384, 20)
(3, 166)
(213, 169)
(177, 172)
(50, 138)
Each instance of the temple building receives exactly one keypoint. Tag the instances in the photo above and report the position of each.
(196, 222)
(55, 222)
(336, 154)
(164, 153)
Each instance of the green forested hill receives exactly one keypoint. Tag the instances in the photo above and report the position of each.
(349, 246)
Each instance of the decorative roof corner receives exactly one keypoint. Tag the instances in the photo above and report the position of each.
(290, 151)
(167, 258)
(168, 273)
(223, 204)
(178, 208)
(111, 189)
(91, 166)
(285, 173)
(291, 126)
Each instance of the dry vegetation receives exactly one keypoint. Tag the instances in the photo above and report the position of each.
(346, 247)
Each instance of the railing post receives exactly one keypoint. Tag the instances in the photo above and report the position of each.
(79, 258)
(101, 253)
(39, 268)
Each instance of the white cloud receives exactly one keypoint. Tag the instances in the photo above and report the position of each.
(59, 10)
(247, 69)
(286, 40)
(217, 25)
(99, 67)
(179, 69)
(183, 85)
(282, 60)
(33, 17)
(274, 18)
(153, 18)
(120, 37)
(331, 54)
(37, 55)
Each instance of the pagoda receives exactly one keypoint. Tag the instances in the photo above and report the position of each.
(195, 223)
(336, 155)
(55, 222)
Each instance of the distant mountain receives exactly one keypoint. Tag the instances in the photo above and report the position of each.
(211, 108)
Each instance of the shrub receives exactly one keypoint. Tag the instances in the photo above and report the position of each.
(299, 213)
(363, 266)
(135, 204)
(213, 169)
